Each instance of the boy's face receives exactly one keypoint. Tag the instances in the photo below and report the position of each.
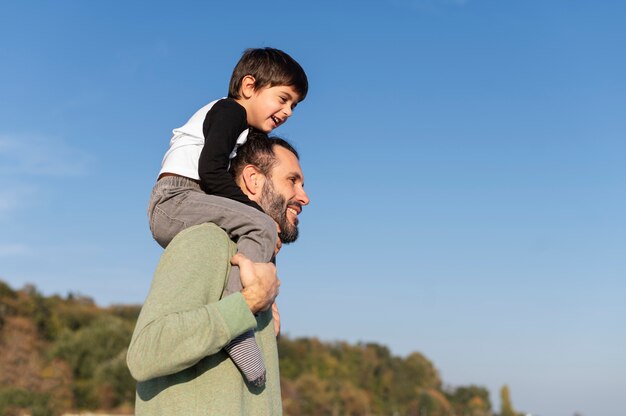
(269, 107)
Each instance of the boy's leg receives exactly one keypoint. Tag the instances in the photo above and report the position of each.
(177, 203)
(164, 207)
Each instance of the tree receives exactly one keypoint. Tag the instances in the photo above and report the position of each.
(470, 401)
(506, 408)
(96, 347)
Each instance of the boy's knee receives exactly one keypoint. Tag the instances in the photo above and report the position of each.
(163, 227)
(259, 242)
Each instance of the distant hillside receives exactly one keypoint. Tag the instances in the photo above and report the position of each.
(59, 353)
(66, 354)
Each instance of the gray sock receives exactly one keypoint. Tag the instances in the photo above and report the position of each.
(245, 353)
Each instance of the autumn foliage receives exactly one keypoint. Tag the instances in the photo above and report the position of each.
(66, 354)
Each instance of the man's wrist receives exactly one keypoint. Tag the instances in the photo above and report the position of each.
(250, 299)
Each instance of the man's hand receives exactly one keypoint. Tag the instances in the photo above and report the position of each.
(259, 281)
(276, 317)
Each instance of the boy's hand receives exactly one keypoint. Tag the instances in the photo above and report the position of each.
(276, 317)
(259, 281)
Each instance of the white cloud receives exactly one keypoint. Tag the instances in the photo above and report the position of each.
(26, 155)
(26, 159)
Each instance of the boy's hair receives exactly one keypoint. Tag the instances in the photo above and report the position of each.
(258, 151)
(270, 67)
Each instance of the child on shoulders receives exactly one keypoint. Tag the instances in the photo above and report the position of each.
(194, 185)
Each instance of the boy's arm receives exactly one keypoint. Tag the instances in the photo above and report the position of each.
(222, 126)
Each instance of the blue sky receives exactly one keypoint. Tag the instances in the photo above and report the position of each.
(466, 162)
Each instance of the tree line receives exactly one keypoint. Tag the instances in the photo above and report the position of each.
(60, 354)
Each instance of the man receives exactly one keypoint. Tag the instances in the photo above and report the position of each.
(176, 351)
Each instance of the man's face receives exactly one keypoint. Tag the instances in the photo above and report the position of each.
(283, 195)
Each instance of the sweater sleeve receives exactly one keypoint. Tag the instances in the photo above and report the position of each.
(183, 318)
(223, 124)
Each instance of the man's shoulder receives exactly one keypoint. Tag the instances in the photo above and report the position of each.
(204, 231)
(205, 237)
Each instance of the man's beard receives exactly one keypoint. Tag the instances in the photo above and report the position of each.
(275, 205)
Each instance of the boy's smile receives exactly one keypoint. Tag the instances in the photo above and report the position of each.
(270, 107)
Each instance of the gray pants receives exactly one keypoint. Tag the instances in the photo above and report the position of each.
(177, 203)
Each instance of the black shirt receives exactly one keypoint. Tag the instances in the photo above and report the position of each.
(223, 124)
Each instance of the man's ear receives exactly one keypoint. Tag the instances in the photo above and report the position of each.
(248, 84)
(253, 180)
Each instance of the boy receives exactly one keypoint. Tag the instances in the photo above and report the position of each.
(194, 185)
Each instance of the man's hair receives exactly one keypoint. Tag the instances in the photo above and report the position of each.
(258, 151)
(270, 68)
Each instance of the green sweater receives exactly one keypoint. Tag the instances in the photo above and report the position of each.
(176, 350)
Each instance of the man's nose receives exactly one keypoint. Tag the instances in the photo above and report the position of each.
(302, 197)
(287, 110)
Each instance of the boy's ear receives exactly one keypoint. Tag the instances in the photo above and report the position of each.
(253, 180)
(248, 86)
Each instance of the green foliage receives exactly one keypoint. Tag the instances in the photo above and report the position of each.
(96, 355)
(506, 407)
(91, 345)
(77, 313)
(82, 363)
(81, 348)
(15, 401)
(115, 386)
(127, 312)
(6, 291)
(45, 320)
(314, 396)
(344, 379)
(470, 400)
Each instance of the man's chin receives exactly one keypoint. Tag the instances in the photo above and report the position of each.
(288, 236)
